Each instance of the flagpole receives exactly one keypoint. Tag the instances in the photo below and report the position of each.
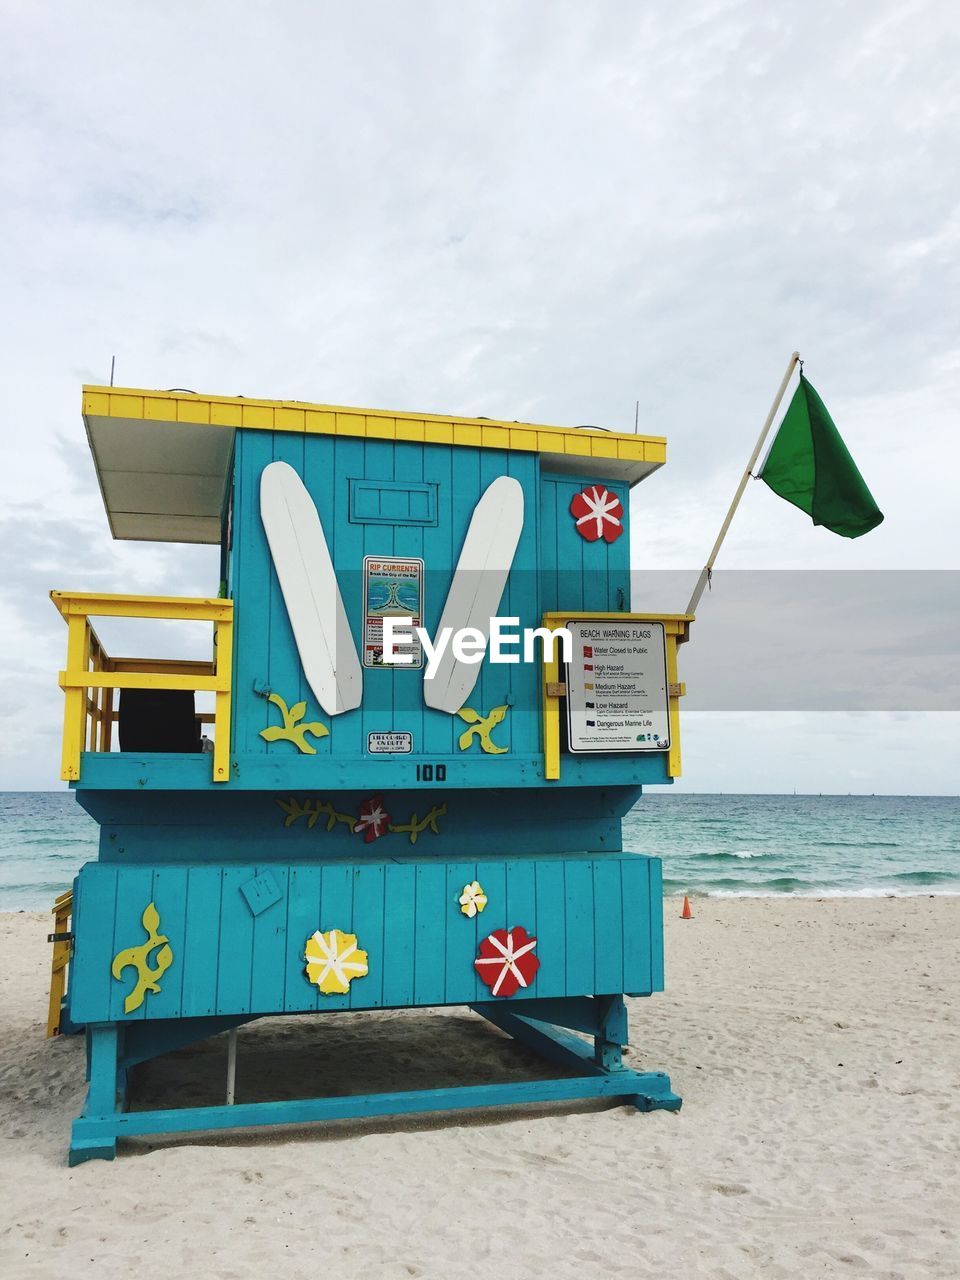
(708, 567)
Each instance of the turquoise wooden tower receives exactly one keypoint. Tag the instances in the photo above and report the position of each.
(365, 817)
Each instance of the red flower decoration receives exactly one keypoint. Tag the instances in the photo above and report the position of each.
(598, 513)
(373, 820)
(506, 961)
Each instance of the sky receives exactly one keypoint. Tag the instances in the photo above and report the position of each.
(536, 211)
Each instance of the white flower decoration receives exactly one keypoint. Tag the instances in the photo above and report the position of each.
(473, 899)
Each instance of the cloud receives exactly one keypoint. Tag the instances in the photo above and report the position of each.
(543, 211)
(73, 553)
(836, 753)
(816, 641)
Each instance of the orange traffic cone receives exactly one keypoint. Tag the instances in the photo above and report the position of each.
(686, 913)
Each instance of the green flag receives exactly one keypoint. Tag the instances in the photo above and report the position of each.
(808, 464)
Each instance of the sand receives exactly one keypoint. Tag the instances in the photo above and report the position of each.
(815, 1044)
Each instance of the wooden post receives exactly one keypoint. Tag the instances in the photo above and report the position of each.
(223, 632)
(107, 738)
(231, 1065)
(75, 699)
(673, 705)
(551, 712)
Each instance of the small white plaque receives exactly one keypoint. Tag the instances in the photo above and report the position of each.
(390, 744)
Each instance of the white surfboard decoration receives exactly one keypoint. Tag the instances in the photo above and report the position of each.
(477, 587)
(310, 591)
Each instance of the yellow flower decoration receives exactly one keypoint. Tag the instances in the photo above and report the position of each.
(334, 960)
(473, 899)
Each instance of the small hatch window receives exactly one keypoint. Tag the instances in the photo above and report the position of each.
(393, 502)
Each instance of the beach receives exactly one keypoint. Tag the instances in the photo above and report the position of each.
(815, 1044)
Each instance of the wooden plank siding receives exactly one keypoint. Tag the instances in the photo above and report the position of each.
(266, 655)
(585, 912)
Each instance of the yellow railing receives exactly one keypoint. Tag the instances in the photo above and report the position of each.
(91, 675)
(676, 628)
(62, 909)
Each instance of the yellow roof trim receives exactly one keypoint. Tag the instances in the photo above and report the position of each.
(162, 457)
(326, 419)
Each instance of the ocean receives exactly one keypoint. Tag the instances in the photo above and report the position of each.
(726, 845)
(812, 846)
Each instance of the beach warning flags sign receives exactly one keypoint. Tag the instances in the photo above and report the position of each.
(810, 466)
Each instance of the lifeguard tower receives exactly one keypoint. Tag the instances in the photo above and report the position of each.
(358, 836)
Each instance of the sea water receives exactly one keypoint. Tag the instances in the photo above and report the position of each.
(710, 844)
(45, 837)
(822, 846)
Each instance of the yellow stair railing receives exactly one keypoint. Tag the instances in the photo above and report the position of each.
(62, 910)
(91, 675)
